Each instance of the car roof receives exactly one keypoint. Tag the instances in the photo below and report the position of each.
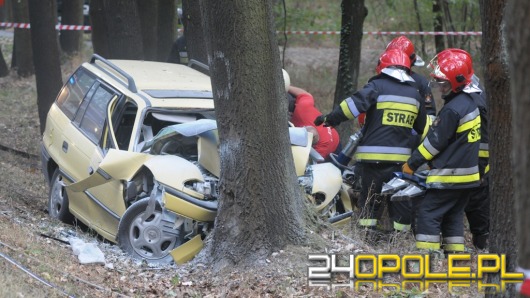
(165, 84)
(150, 75)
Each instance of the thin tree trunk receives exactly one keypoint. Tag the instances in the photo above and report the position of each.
(99, 28)
(167, 28)
(4, 70)
(420, 26)
(116, 32)
(23, 54)
(261, 207)
(518, 39)
(148, 11)
(71, 14)
(438, 25)
(497, 83)
(46, 58)
(193, 31)
(353, 14)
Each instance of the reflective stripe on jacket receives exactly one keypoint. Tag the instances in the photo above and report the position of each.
(451, 146)
(392, 109)
(483, 154)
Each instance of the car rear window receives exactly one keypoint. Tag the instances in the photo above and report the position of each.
(74, 91)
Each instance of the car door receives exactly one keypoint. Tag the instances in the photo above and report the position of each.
(85, 152)
(109, 196)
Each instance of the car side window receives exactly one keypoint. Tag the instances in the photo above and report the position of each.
(93, 120)
(74, 91)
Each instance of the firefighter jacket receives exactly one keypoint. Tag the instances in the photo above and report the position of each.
(451, 146)
(480, 99)
(425, 91)
(393, 107)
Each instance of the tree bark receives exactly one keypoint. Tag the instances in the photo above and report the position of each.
(23, 55)
(193, 31)
(351, 34)
(4, 70)
(167, 28)
(497, 84)
(261, 208)
(99, 28)
(148, 12)
(420, 27)
(116, 32)
(438, 25)
(46, 58)
(71, 14)
(517, 37)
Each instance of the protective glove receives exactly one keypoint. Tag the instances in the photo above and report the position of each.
(319, 120)
(406, 169)
(331, 119)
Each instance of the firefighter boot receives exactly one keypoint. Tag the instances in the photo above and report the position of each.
(480, 241)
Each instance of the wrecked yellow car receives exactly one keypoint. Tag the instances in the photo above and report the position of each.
(130, 150)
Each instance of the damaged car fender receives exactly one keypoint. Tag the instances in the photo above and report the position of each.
(123, 165)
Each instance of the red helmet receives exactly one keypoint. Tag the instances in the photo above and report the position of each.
(454, 67)
(465, 56)
(392, 57)
(404, 44)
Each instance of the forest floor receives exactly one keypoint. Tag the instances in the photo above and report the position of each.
(35, 262)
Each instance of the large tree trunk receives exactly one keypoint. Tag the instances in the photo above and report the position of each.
(46, 55)
(167, 28)
(193, 31)
(497, 83)
(116, 32)
(22, 54)
(148, 11)
(71, 14)
(261, 208)
(518, 40)
(351, 34)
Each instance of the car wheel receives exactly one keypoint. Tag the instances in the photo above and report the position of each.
(147, 239)
(58, 199)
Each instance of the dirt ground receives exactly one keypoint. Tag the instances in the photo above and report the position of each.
(35, 261)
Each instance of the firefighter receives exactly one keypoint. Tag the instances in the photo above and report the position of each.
(393, 106)
(404, 44)
(478, 208)
(451, 149)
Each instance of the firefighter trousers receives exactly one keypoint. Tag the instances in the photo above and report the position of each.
(442, 211)
(371, 203)
(478, 215)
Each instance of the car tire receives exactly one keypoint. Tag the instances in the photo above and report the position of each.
(58, 204)
(147, 240)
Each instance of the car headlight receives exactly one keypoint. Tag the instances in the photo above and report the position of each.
(208, 188)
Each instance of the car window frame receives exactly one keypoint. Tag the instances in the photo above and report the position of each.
(87, 100)
(68, 86)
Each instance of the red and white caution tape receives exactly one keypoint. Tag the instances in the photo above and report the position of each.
(73, 27)
(14, 25)
(57, 27)
(457, 33)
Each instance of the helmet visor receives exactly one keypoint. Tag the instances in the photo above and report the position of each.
(439, 84)
(419, 61)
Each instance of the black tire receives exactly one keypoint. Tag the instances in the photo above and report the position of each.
(147, 240)
(58, 204)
